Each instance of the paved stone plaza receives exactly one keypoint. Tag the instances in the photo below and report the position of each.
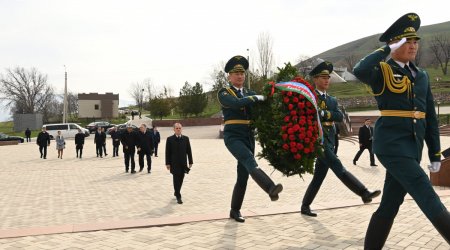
(81, 196)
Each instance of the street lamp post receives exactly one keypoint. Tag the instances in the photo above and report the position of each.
(142, 103)
(65, 96)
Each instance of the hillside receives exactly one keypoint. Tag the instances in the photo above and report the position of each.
(363, 46)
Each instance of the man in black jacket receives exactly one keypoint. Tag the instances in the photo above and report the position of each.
(79, 142)
(43, 140)
(115, 137)
(145, 147)
(129, 142)
(365, 136)
(99, 140)
(178, 150)
(28, 134)
(156, 140)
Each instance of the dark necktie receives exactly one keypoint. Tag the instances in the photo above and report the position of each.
(239, 93)
(408, 69)
(324, 96)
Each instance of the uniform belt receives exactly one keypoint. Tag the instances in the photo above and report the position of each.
(247, 122)
(404, 113)
(328, 124)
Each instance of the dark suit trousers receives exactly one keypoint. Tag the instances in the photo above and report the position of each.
(99, 149)
(405, 175)
(141, 160)
(43, 151)
(115, 150)
(129, 156)
(155, 146)
(177, 183)
(361, 150)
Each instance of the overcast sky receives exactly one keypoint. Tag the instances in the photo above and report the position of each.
(108, 45)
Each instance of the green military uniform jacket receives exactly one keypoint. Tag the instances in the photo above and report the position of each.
(400, 136)
(332, 114)
(236, 106)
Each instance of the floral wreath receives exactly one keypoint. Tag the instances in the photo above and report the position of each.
(287, 126)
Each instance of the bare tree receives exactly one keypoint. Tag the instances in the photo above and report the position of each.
(150, 89)
(350, 62)
(440, 47)
(25, 91)
(72, 104)
(265, 59)
(137, 92)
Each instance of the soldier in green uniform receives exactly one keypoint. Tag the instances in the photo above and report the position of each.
(330, 113)
(408, 118)
(236, 102)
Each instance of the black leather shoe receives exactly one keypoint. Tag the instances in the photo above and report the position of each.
(354, 162)
(179, 201)
(373, 165)
(236, 215)
(126, 170)
(133, 172)
(307, 211)
(140, 170)
(149, 171)
(368, 196)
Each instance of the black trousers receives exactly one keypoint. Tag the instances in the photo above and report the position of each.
(361, 150)
(99, 149)
(177, 183)
(104, 149)
(116, 150)
(141, 160)
(28, 138)
(79, 151)
(155, 146)
(129, 156)
(43, 151)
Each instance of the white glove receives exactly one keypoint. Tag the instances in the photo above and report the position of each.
(395, 46)
(434, 167)
(260, 97)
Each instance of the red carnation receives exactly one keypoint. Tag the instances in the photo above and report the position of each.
(290, 125)
(285, 146)
(307, 140)
(284, 136)
(294, 150)
(306, 150)
(295, 100)
(300, 146)
(308, 104)
(293, 112)
(290, 131)
(301, 105)
(286, 100)
(292, 144)
(302, 136)
(297, 156)
(290, 106)
(292, 137)
(296, 127)
(309, 133)
(286, 118)
(289, 93)
(283, 128)
(302, 122)
(301, 97)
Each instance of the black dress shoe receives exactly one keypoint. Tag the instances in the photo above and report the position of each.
(354, 162)
(179, 201)
(236, 215)
(368, 196)
(149, 171)
(373, 165)
(307, 211)
(140, 170)
(133, 172)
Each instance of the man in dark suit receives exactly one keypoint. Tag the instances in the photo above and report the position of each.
(99, 141)
(43, 140)
(129, 141)
(145, 147)
(156, 139)
(79, 143)
(115, 137)
(178, 151)
(28, 134)
(329, 113)
(365, 136)
(408, 120)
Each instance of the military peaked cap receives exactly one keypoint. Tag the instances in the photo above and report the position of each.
(322, 69)
(406, 26)
(236, 64)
